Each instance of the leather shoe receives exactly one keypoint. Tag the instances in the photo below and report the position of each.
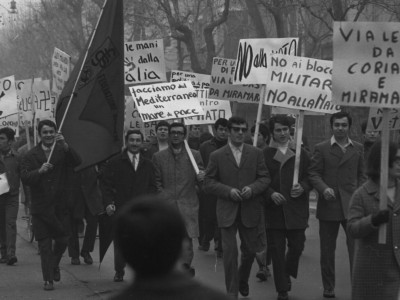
(118, 277)
(57, 275)
(48, 286)
(329, 294)
(12, 260)
(262, 274)
(75, 261)
(243, 288)
(87, 258)
(283, 296)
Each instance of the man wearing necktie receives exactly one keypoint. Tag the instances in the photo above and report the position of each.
(47, 182)
(127, 176)
(237, 175)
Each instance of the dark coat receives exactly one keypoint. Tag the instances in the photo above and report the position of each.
(207, 148)
(49, 190)
(223, 174)
(376, 267)
(295, 212)
(121, 183)
(11, 165)
(343, 172)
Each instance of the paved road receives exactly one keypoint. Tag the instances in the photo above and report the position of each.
(24, 280)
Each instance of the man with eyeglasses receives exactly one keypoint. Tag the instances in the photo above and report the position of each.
(176, 181)
(237, 175)
(208, 203)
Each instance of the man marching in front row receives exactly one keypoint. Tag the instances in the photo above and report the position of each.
(237, 175)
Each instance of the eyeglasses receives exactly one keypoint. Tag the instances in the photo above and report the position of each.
(237, 129)
(178, 133)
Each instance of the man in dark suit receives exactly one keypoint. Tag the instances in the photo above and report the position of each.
(126, 177)
(237, 175)
(48, 191)
(336, 171)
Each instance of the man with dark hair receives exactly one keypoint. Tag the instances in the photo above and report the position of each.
(177, 180)
(194, 137)
(237, 175)
(336, 171)
(160, 142)
(369, 138)
(264, 136)
(47, 181)
(208, 203)
(127, 176)
(140, 228)
(9, 192)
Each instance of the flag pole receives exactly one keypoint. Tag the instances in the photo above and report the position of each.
(259, 113)
(77, 79)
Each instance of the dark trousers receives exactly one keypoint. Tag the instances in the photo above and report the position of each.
(50, 255)
(8, 224)
(285, 263)
(248, 247)
(90, 235)
(328, 232)
(208, 226)
(119, 261)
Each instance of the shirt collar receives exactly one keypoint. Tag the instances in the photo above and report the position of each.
(333, 141)
(45, 148)
(130, 155)
(234, 148)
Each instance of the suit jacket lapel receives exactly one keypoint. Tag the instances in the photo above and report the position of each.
(350, 152)
(245, 155)
(229, 154)
(336, 151)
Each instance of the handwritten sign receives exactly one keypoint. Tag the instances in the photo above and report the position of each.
(199, 81)
(300, 83)
(252, 58)
(8, 103)
(213, 110)
(376, 116)
(366, 66)
(61, 69)
(134, 121)
(144, 62)
(222, 88)
(166, 101)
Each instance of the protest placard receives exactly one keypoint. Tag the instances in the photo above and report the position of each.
(8, 103)
(61, 68)
(45, 100)
(134, 121)
(375, 119)
(166, 101)
(366, 66)
(199, 81)
(300, 83)
(144, 62)
(221, 85)
(252, 58)
(213, 110)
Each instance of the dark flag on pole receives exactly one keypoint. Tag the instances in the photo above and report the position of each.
(90, 111)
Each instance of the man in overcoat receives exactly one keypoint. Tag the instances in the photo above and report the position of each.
(237, 175)
(336, 171)
(127, 176)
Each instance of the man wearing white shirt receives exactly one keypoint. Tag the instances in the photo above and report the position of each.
(336, 171)
(127, 176)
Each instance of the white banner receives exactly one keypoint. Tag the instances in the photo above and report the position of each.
(199, 81)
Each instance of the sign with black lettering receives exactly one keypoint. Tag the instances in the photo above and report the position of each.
(213, 110)
(376, 116)
(8, 103)
(166, 101)
(144, 62)
(366, 65)
(300, 83)
(221, 85)
(199, 81)
(61, 69)
(134, 121)
(252, 58)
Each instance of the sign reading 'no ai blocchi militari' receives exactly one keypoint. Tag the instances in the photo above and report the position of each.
(300, 83)
(166, 101)
(199, 81)
(144, 62)
(221, 85)
(366, 65)
(252, 58)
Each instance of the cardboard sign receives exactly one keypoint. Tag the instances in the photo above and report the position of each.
(144, 62)
(366, 66)
(213, 110)
(8, 103)
(221, 85)
(166, 101)
(252, 58)
(376, 116)
(300, 83)
(199, 81)
(61, 69)
(134, 121)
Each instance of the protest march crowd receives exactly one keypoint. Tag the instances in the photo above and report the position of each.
(238, 188)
